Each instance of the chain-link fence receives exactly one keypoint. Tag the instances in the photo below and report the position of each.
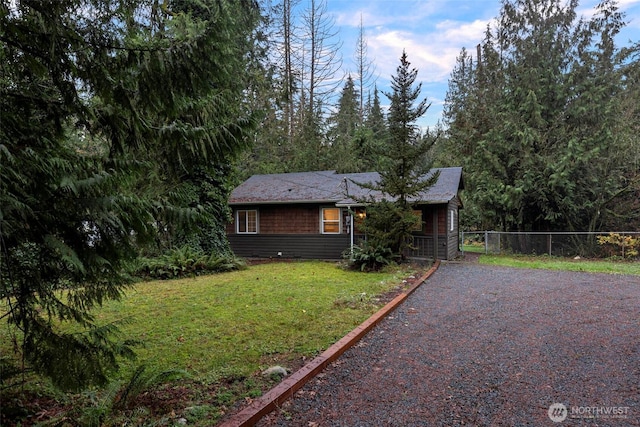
(564, 244)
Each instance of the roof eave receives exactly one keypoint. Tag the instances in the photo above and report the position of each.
(359, 204)
(280, 202)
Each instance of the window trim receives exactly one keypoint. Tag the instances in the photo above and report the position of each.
(246, 222)
(323, 221)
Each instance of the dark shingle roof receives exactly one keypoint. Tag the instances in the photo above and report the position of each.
(332, 187)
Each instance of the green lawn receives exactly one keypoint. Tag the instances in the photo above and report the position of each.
(568, 264)
(225, 324)
(224, 329)
(479, 248)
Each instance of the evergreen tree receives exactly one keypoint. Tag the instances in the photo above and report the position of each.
(113, 113)
(586, 180)
(373, 135)
(403, 165)
(457, 107)
(539, 119)
(375, 119)
(274, 94)
(344, 125)
(404, 161)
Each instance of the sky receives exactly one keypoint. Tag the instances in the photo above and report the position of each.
(432, 32)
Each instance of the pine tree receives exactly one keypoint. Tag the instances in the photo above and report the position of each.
(404, 161)
(319, 60)
(375, 119)
(369, 137)
(344, 125)
(404, 165)
(273, 150)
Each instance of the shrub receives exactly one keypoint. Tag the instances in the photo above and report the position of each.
(628, 246)
(186, 261)
(368, 257)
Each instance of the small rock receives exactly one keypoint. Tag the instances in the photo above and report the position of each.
(577, 257)
(275, 370)
(182, 421)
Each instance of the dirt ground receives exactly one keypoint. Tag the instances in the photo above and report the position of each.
(489, 346)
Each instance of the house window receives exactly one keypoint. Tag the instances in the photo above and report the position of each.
(247, 221)
(330, 221)
(453, 218)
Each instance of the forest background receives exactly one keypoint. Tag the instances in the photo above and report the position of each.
(542, 114)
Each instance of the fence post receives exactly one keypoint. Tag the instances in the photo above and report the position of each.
(486, 242)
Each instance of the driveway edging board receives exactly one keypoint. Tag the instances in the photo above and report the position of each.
(272, 399)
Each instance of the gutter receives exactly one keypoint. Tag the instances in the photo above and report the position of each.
(282, 202)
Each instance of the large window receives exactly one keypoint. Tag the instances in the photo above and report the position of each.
(247, 221)
(330, 221)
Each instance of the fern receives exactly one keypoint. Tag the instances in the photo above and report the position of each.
(141, 381)
(184, 262)
(368, 257)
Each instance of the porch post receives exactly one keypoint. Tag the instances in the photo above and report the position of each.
(435, 233)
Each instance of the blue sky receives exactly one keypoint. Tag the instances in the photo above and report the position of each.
(433, 32)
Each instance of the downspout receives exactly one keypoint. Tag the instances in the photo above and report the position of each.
(351, 227)
(351, 221)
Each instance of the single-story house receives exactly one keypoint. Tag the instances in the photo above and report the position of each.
(309, 215)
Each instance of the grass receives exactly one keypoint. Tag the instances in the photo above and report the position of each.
(567, 264)
(225, 324)
(224, 329)
(477, 248)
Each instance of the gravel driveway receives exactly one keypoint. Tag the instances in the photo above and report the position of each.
(488, 346)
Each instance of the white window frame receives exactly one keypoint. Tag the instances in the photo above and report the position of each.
(453, 218)
(246, 221)
(323, 222)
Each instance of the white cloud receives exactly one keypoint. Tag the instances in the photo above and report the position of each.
(462, 33)
(433, 53)
(433, 32)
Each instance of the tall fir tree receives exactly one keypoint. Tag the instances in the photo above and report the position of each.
(372, 135)
(404, 159)
(403, 165)
(343, 127)
(375, 119)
